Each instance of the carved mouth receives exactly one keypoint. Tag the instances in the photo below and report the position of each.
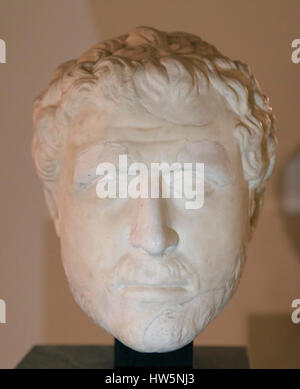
(151, 285)
(143, 279)
(154, 293)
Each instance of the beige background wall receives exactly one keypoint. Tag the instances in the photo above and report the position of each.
(39, 35)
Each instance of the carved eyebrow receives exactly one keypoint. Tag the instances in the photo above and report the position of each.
(217, 164)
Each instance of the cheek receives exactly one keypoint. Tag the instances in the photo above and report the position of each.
(93, 233)
(213, 239)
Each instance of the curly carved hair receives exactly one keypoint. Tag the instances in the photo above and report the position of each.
(160, 61)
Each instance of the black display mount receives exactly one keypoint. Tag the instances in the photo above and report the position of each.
(126, 357)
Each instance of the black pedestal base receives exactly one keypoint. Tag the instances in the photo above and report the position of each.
(126, 357)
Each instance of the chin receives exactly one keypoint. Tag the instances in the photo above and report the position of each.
(166, 329)
(154, 327)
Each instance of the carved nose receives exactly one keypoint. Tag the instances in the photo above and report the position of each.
(149, 229)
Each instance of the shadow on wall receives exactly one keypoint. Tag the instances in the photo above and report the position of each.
(273, 341)
(63, 321)
(289, 192)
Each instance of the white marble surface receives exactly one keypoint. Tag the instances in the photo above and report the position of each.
(149, 271)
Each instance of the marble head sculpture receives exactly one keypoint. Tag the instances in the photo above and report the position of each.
(148, 270)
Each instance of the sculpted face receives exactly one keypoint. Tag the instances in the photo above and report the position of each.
(151, 270)
(148, 270)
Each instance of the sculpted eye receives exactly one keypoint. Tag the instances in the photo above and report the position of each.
(84, 178)
(218, 168)
(217, 175)
(87, 163)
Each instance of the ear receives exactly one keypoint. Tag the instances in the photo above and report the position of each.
(52, 208)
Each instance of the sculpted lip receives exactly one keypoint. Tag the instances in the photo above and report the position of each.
(168, 292)
(153, 293)
(140, 279)
(155, 286)
(141, 272)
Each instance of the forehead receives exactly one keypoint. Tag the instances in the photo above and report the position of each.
(148, 138)
(100, 121)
